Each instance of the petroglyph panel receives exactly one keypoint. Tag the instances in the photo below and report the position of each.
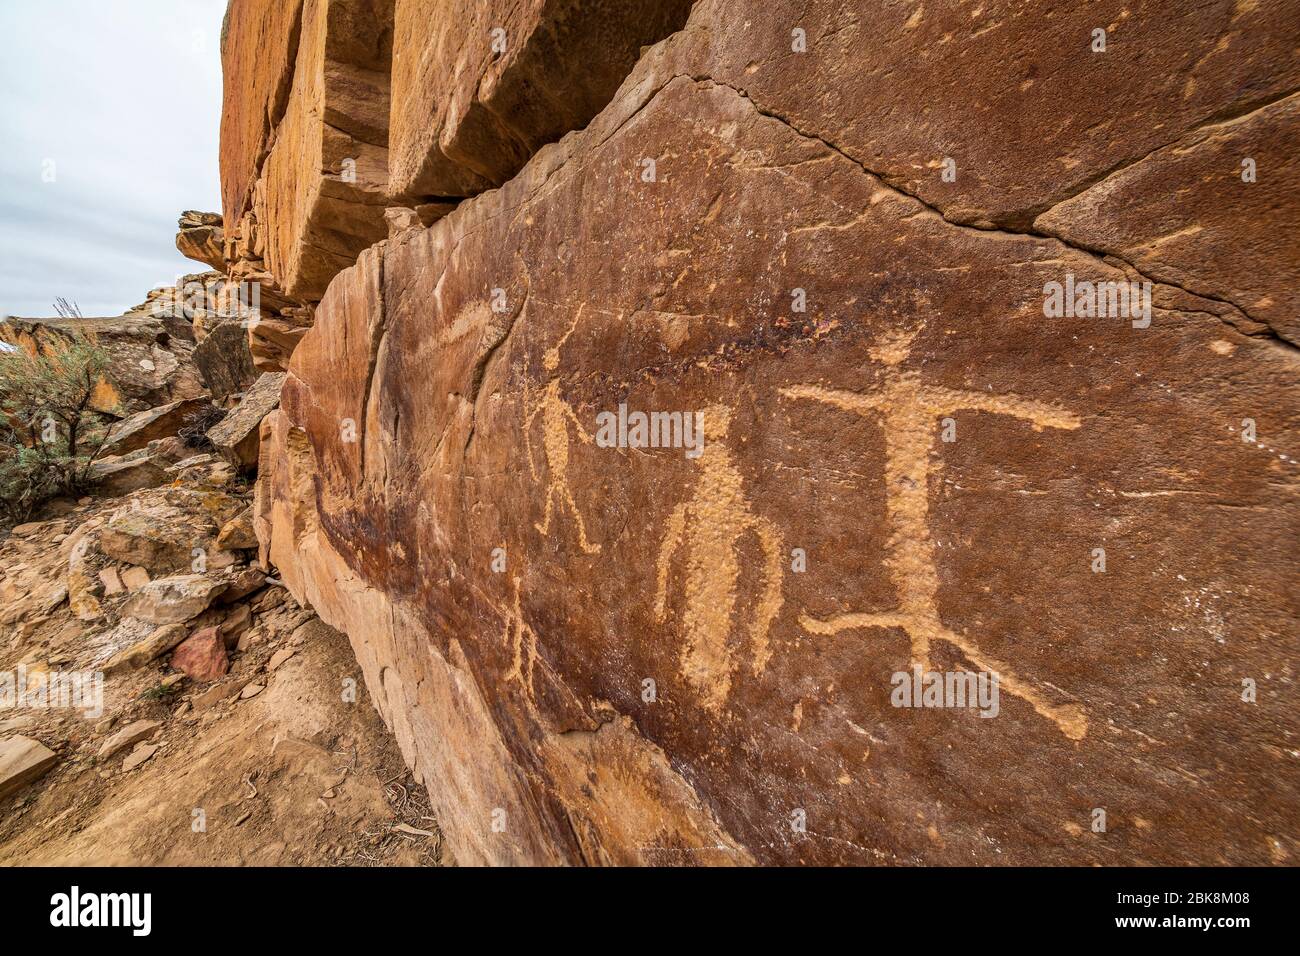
(773, 684)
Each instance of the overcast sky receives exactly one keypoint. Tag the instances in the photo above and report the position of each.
(120, 102)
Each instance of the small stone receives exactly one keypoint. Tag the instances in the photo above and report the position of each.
(243, 584)
(238, 621)
(213, 695)
(251, 691)
(279, 657)
(128, 735)
(202, 656)
(220, 560)
(268, 600)
(105, 725)
(53, 598)
(23, 760)
(135, 578)
(138, 756)
(237, 533)
(112, 581)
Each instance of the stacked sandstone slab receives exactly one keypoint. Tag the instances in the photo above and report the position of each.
(593, 654)
(476, 89)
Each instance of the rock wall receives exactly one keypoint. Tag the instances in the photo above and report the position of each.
(322, 196)
(839, 263)
(478, 88)
(305, 123)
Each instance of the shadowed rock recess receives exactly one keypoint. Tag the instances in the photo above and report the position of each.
(824, 234)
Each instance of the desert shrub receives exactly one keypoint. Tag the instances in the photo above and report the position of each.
(194, 430)
(49, 434)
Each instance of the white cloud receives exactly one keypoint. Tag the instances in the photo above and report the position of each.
(125, 99)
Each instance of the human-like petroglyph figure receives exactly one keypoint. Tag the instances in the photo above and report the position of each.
(523, 641)
(908, 410)
(711, 525)
(556, 416)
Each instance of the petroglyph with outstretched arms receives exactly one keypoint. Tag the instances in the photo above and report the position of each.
(907, 409)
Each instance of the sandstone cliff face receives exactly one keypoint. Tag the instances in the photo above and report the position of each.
(323, 194)
(305, 126)
(478, 88)
(259, 48)
(638, 655)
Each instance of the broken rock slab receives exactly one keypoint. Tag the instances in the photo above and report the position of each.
(200, 238)
(225, 362)
(140, 429)
(128, 736)
(159, 642)
(214, 695)
(161, 529)
(84, 586)
(478, 88)
(134, 578)
(237, 435)
(174, 600)
(237, 533)
(119, 475)
(202, 656)
(140, 755)
(22, 761)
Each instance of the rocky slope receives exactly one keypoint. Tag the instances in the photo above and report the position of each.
(229, 727)
(162, 699)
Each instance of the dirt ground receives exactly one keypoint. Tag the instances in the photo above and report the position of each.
(299, 773)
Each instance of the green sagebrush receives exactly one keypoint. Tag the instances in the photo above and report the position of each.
(49, 433)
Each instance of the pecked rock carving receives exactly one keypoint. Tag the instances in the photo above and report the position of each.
(710, 525)
(908, 409)
(557, 415)
(644, 681)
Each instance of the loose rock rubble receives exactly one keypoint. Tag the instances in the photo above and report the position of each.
(203, 697)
